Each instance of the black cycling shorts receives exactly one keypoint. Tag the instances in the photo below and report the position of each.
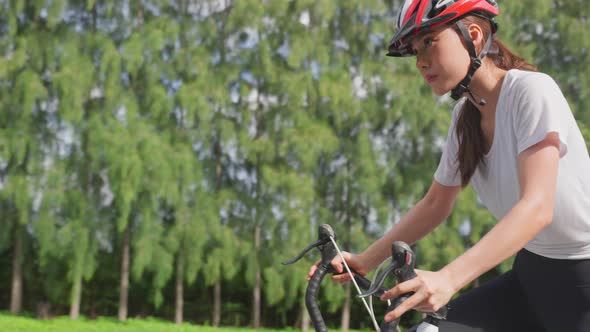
(539, 294)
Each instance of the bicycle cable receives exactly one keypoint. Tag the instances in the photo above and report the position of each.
(358, 290)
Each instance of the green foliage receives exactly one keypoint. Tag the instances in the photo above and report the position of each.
(194, 126)
(22, 324)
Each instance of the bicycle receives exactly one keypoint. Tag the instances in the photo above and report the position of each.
(401, 267)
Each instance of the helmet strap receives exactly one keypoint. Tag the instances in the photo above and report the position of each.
(475, 63)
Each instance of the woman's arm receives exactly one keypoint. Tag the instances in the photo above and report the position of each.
(418, 222)
(537, 173)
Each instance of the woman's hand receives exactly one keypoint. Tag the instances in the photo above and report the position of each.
(354, 263)
(432, 290)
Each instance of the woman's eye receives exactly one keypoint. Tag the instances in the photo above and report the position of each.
(427, 42)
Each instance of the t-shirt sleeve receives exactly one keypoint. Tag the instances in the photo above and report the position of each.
(447, 172)
(542, 109)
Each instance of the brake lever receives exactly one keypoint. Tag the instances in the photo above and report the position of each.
(301, 254)
(377, 285)
(328, 252)
(402, 268)
(323, 243)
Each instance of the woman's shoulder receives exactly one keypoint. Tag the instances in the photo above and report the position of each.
(529, 93)
(518, 80)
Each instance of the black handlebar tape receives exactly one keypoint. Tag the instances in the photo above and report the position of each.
(391, 326)
(310, 298)
(404, 257)
(405, 273)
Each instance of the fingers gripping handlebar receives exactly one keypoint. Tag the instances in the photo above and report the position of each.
(402, 268)
(328, 252)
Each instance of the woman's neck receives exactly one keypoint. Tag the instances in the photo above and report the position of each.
(486, 84)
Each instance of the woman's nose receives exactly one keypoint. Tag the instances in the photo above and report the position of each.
(421, 62)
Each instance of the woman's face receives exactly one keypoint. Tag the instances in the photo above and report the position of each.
(441, 58)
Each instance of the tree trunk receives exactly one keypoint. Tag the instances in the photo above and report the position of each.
(256, 299)
(179, 290)
(124, 291)
(216, 314)
(16, 298)
(76, 297)
(305, 321)
(345, 321)
(44, 310)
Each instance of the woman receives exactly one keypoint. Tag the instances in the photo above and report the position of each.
(513, 137)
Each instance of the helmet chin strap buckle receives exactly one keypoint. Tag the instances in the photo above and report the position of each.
(463, 86)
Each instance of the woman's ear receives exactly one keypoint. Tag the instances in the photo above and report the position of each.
(476, 35)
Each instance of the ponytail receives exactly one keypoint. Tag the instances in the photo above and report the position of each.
(468, 129)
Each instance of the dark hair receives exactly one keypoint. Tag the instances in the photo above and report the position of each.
(468, 128)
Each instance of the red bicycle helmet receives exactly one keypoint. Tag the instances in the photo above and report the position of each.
(417, 16)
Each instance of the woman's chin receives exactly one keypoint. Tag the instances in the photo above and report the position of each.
(440, 92)
(438, 88)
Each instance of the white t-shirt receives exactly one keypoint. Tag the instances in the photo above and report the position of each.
(531, 106)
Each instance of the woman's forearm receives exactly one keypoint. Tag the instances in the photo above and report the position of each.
(417, 223)
(511, 233)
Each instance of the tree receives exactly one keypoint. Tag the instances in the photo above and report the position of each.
(24, 126)
(207, 140)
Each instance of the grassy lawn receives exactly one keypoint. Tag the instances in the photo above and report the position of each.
(10, 323)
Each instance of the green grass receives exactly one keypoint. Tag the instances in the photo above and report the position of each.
(10, 323)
